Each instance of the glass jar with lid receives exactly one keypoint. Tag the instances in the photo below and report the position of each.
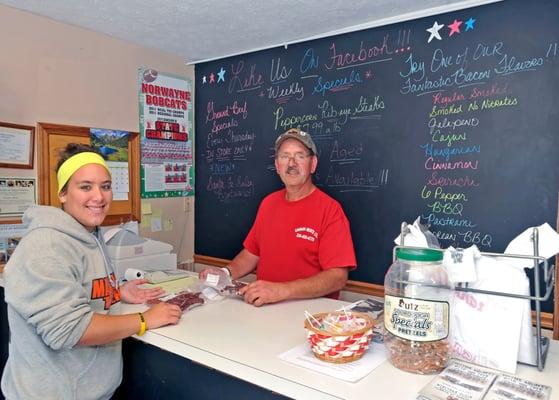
(417, 294)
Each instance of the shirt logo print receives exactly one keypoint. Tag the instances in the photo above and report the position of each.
(306, 233)
(101, 288)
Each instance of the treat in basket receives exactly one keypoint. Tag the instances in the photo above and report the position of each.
(339, 336)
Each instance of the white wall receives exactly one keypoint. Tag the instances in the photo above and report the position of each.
(57, 73)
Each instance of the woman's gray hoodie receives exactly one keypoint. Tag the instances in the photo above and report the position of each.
(56, 279)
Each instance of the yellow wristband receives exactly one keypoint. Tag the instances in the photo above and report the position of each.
(143, 325)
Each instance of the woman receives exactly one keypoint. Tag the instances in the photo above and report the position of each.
(63, 297)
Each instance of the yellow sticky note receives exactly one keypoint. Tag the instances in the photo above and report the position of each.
(146, 222)
(156, 212)
(168, 224)
(146, 208)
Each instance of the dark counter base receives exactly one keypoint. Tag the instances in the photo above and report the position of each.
(151, 373)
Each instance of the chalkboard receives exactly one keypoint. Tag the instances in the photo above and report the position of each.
(452, 117)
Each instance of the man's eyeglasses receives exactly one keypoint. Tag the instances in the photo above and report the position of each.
(297, 157)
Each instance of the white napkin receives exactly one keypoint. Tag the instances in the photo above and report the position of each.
(548, 245)
(460, 263)
(418, 236)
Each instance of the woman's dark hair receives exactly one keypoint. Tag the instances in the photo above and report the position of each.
(72, 149)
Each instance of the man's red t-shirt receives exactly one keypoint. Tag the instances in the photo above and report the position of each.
(298, 239)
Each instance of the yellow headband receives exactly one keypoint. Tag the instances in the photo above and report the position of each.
(71, 165)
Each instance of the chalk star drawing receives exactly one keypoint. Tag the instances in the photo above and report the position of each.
(470, 24)
(221, 75)
(454, 27)
(434, 31)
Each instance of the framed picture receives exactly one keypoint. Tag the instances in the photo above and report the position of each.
(51, 138)
(10, 235)
(16, 195)
(17, 146)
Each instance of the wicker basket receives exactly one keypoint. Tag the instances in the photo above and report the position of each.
(340, 347)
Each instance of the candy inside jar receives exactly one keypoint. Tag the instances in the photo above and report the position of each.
(416, 311)
(418, 357)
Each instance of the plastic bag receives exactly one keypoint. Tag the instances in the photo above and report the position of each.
(217, 278)
(218, 285)
(486, 328)
(185, 300)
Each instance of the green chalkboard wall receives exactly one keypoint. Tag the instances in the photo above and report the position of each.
(453, 117)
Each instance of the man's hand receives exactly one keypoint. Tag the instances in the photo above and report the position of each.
(131, 293)
(325, 282)
(210, 270)
(263, 292)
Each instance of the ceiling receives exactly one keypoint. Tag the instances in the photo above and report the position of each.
(197, 30)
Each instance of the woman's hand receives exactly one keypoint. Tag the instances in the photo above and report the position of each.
(162, 314)
(131, 293)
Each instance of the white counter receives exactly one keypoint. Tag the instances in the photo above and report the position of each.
(244, 341)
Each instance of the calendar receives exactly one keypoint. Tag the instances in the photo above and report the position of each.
(119, 172)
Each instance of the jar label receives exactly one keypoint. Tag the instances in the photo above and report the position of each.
(415, 319)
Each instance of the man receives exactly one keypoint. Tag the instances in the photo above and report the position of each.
(300, 243)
